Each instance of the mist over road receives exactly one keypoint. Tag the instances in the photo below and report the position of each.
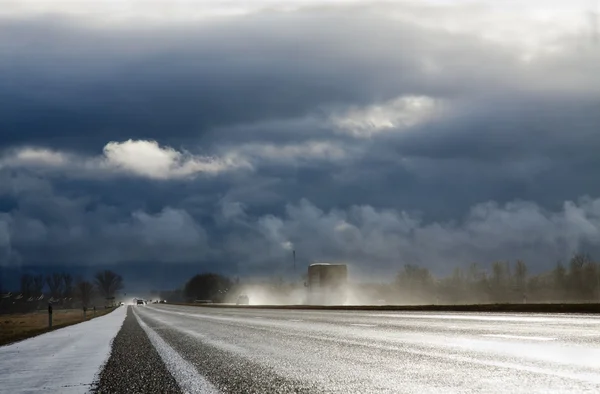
(260, 350)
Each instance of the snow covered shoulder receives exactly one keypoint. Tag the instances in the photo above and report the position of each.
(66, 360)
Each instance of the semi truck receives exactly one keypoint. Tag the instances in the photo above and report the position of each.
(327, 284)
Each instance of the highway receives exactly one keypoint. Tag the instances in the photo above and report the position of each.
(261, 351)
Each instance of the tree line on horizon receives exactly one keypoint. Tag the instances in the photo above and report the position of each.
(578, 281)
(63, 291)
(502, 282)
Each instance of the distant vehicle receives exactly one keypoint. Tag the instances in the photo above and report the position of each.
(243, 299)
(140, 302)
(162, 302)
(327, 284)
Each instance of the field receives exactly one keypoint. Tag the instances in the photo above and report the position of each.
(15, 327)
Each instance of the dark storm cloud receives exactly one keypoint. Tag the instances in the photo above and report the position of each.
(342, 133)
(100, 86)
(527, 125)
(65, 85)
(62, 228)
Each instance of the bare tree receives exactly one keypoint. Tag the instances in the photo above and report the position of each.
(575, 277)
(38, 285)
(521, 277)
(55, 284)
(559, 282)
(499, 281)
(590, 280)
(415, 283)
(108, 283)
(26, 285)
(85, 291)
(68, 285)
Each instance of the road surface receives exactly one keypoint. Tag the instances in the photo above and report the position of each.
(258, 350)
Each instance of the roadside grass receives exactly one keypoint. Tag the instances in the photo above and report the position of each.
(507, 308)
(16, 327)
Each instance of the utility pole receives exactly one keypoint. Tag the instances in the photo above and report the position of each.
(598, 277)
(294, 256)
(49, 315)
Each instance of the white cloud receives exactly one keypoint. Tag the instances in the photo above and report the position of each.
(148, 159)
(534, 25)
(145, 159)
(35, 157)
(159, 11)
(394, 115)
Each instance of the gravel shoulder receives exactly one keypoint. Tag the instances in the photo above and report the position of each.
(134, 365)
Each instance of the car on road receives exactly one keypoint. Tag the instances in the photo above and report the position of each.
(140, 302)
(243, 299)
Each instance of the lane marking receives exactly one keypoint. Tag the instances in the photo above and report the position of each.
(296, 320)
(363, 325)
(184, 373)
(258, 317)
(506, 336)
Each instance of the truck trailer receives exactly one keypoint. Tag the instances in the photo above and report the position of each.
(327, 284)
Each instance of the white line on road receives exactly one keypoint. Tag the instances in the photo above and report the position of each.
(363, 325)
(296, 320)
(185, 374)
(519, 337)
(258, 317)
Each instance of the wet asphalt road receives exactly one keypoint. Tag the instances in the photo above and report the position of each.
(281, 351)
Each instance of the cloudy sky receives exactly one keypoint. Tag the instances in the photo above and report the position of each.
(232, 132)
